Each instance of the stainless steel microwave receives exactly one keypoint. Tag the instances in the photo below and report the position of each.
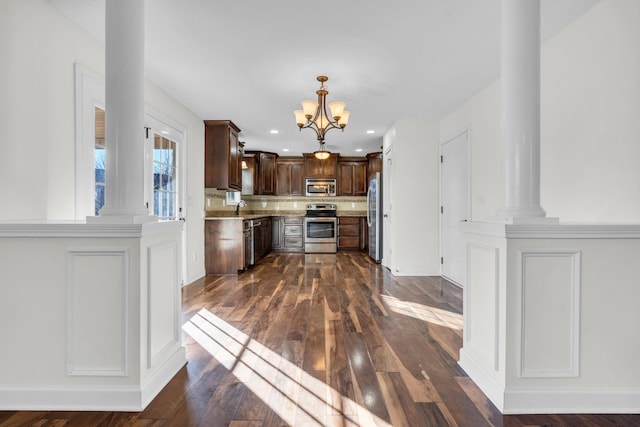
(316, 187)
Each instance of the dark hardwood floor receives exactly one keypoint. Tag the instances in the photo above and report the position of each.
(331, 340)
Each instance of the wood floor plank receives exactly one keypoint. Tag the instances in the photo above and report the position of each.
(383, 360)
(338, 372)
(365, 381)
(394, 403)
(431, 414)
(222, 406)
(245, 423)
(314, 348)
(419, 386)
(320, 339)
(195, 402)
(465, 412)
(24, 418)
(484, 405)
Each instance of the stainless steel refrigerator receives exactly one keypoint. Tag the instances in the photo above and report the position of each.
(374, 217)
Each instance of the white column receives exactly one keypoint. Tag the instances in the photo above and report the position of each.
(125, 137)
(520, 78)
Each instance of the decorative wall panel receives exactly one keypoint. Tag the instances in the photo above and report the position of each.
(549, 313)
(162, 293)
(481, 304)
(97, 315)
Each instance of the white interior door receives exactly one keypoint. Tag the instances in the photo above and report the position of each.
(164, 176)
(387, 197)
(455, 190)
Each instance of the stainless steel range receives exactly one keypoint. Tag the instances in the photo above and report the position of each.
(321, 229)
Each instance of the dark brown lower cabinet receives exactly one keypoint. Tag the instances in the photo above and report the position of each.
(261, 237)
(224, 246)
(352, 233)
(226, 243)
(287, 234)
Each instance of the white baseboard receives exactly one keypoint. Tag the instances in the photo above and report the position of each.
(198, 275)
(66, 398)
(572, 401)
(162, 376)
(91, 398)
(414, 272)
(483, 379)
(550, 401)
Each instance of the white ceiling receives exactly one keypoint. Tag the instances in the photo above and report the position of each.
(253, 61)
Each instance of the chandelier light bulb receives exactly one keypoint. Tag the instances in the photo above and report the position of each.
(309, 107)
(300, 117)
(344, 119)
(322, 122)
(336, 109)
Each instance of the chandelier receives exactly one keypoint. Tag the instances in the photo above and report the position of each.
(314, 115)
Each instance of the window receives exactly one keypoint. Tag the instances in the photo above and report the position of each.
(163, 167)
(99, 161)
(163, 153)
(165, 190)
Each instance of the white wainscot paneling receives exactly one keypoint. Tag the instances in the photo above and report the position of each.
(97, 289)
(549, 313)
(163, 307)
(481, 304)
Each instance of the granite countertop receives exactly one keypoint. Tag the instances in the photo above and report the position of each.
(217, 215)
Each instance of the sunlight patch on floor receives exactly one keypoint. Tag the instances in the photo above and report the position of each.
(297, 397)
(434, 315)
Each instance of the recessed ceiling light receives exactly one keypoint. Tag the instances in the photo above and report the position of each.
(358, 149)
(285, 149)
(371, 131)
(274, 131)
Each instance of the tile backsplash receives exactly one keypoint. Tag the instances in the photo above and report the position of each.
(215, 200)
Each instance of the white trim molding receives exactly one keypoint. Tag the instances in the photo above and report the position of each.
(92, 398)
(486, 380)
(548, 313)
(163, 294)
(571, 401)
(492, 285)
(552, 231)
(414, 272)
(89, 292)
(90, 93)
(82, 229)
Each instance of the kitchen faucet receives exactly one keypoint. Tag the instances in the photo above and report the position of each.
(240, 203)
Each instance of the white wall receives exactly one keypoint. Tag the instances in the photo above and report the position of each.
(590, 116)
(37, 107)
(481, 116)
(415, 198)
(590, 136)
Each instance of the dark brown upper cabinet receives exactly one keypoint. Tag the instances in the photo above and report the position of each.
(290, 177)
(222, 155)
(375, 164)
(352, 176)
(260, 172)
(315, 168)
